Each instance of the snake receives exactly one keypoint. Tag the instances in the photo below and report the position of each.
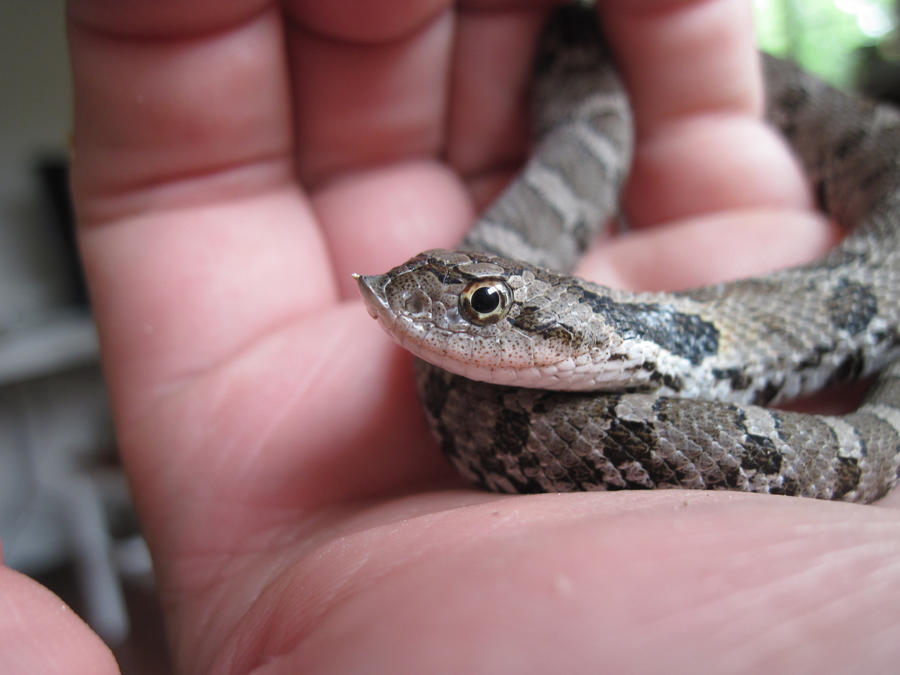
(534, 380)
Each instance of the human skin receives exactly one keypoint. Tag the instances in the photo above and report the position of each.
(40, 634)
(233, 164)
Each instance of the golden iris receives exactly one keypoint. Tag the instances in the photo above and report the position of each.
(485, 301)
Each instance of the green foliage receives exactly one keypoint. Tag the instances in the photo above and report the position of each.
(823, 35)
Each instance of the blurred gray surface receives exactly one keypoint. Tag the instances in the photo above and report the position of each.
(64, 502)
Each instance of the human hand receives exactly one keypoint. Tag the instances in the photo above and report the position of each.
(231, 169)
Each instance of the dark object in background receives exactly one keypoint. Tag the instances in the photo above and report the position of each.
(878, 71)
(54, 177)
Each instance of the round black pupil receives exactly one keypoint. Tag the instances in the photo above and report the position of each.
(485, 299)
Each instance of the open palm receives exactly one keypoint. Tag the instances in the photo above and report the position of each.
(235, 161)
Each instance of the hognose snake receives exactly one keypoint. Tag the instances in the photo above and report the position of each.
(547, 382)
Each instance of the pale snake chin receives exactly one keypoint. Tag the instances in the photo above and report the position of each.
(538, 381)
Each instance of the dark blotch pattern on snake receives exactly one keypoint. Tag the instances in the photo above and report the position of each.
(539, 381)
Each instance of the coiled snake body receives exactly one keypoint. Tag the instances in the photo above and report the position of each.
(546, 382)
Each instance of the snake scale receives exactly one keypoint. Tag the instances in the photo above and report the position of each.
(536, 381)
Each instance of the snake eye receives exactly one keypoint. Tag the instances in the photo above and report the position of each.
(485, 302)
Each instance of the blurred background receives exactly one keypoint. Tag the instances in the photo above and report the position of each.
(65, 515)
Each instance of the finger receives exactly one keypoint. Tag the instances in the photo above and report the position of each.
(172, 110)
(363, 97)
(40, 634)
(693, 78)
(435, 77)
(488, 124)
(184, 187)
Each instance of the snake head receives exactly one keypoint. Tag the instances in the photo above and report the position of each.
(448, 308)
(489, 319)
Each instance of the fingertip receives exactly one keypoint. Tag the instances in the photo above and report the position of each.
(40, 634)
